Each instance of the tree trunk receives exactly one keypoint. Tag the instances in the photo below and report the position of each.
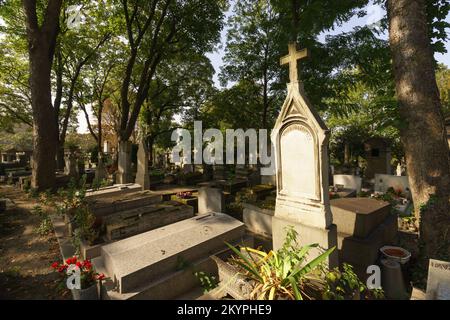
(423, 131)
(41, 48)
(60, 164)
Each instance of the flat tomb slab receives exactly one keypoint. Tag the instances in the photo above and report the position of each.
(120, 202)
(358, 216)
(128, 223)
(148, 256)
(111, 190)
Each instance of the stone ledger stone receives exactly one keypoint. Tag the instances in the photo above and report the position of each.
(103, 206)
(131, 222)
(150, 256)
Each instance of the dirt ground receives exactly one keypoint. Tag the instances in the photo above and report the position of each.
(25, 256)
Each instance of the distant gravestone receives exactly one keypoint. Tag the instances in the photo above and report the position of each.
(71, 164)
(383, 182)
(143, 175)
(301, 140)
(378, 157)
(348, 181)
(124, 163)
(438, 284)
(100, 170)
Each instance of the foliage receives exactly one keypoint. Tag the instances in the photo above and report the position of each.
(207, 281)
(285, 273)
(345, 285)
(45, 226)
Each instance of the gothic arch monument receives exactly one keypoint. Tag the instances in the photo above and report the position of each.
(300, 138)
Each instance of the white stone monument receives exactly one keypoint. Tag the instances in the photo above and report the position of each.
(301, 140)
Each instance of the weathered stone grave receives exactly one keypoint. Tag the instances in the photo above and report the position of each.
(124, 163)
(210, 199)
(300, 138)
(438, 284)
(131, 222)
(111, 190)
(378, 157)
(153, 265)
(348, 182)
(71, 164)
(385, 181)
(104, 205)
(364, 225)
(143, 174)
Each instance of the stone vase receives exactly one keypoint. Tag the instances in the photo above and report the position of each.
(90, 293)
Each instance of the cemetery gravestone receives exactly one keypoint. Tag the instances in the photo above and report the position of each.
(124, 162)
(301, 139)
(210, 199)
(143, 175)
(348, 181)
(71, 165)
(378, 157)
(438, 284)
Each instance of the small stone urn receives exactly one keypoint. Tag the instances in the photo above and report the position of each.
(90, 293)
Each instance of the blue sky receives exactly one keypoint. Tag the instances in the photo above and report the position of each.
(375, 13)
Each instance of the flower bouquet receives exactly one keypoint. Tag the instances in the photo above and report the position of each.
(80, 277)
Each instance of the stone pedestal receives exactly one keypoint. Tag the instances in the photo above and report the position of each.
(143, 175)
(124, 163)
(153, 256)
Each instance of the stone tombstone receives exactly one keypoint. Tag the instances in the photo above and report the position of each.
(438, 284)
(210, 199)
(301, 140)
(100, 170)
(124, 163)
(378, 157)
(348, 181)
(143, 174)
(71, 164)
(383, 182)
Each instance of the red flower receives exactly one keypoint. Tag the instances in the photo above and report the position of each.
(62, 268)
(72, 260)
(101, 276)
(87, 264)
(79, 264)
(55, 265)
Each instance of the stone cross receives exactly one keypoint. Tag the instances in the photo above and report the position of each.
(292, 58)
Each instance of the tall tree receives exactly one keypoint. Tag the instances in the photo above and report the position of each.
(155, 30)
(42, 31)
(423, 132)
(254, 43)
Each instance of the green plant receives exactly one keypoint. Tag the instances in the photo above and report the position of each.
(345, 285)
(285, 273)
(45, 226)
(207, 281)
